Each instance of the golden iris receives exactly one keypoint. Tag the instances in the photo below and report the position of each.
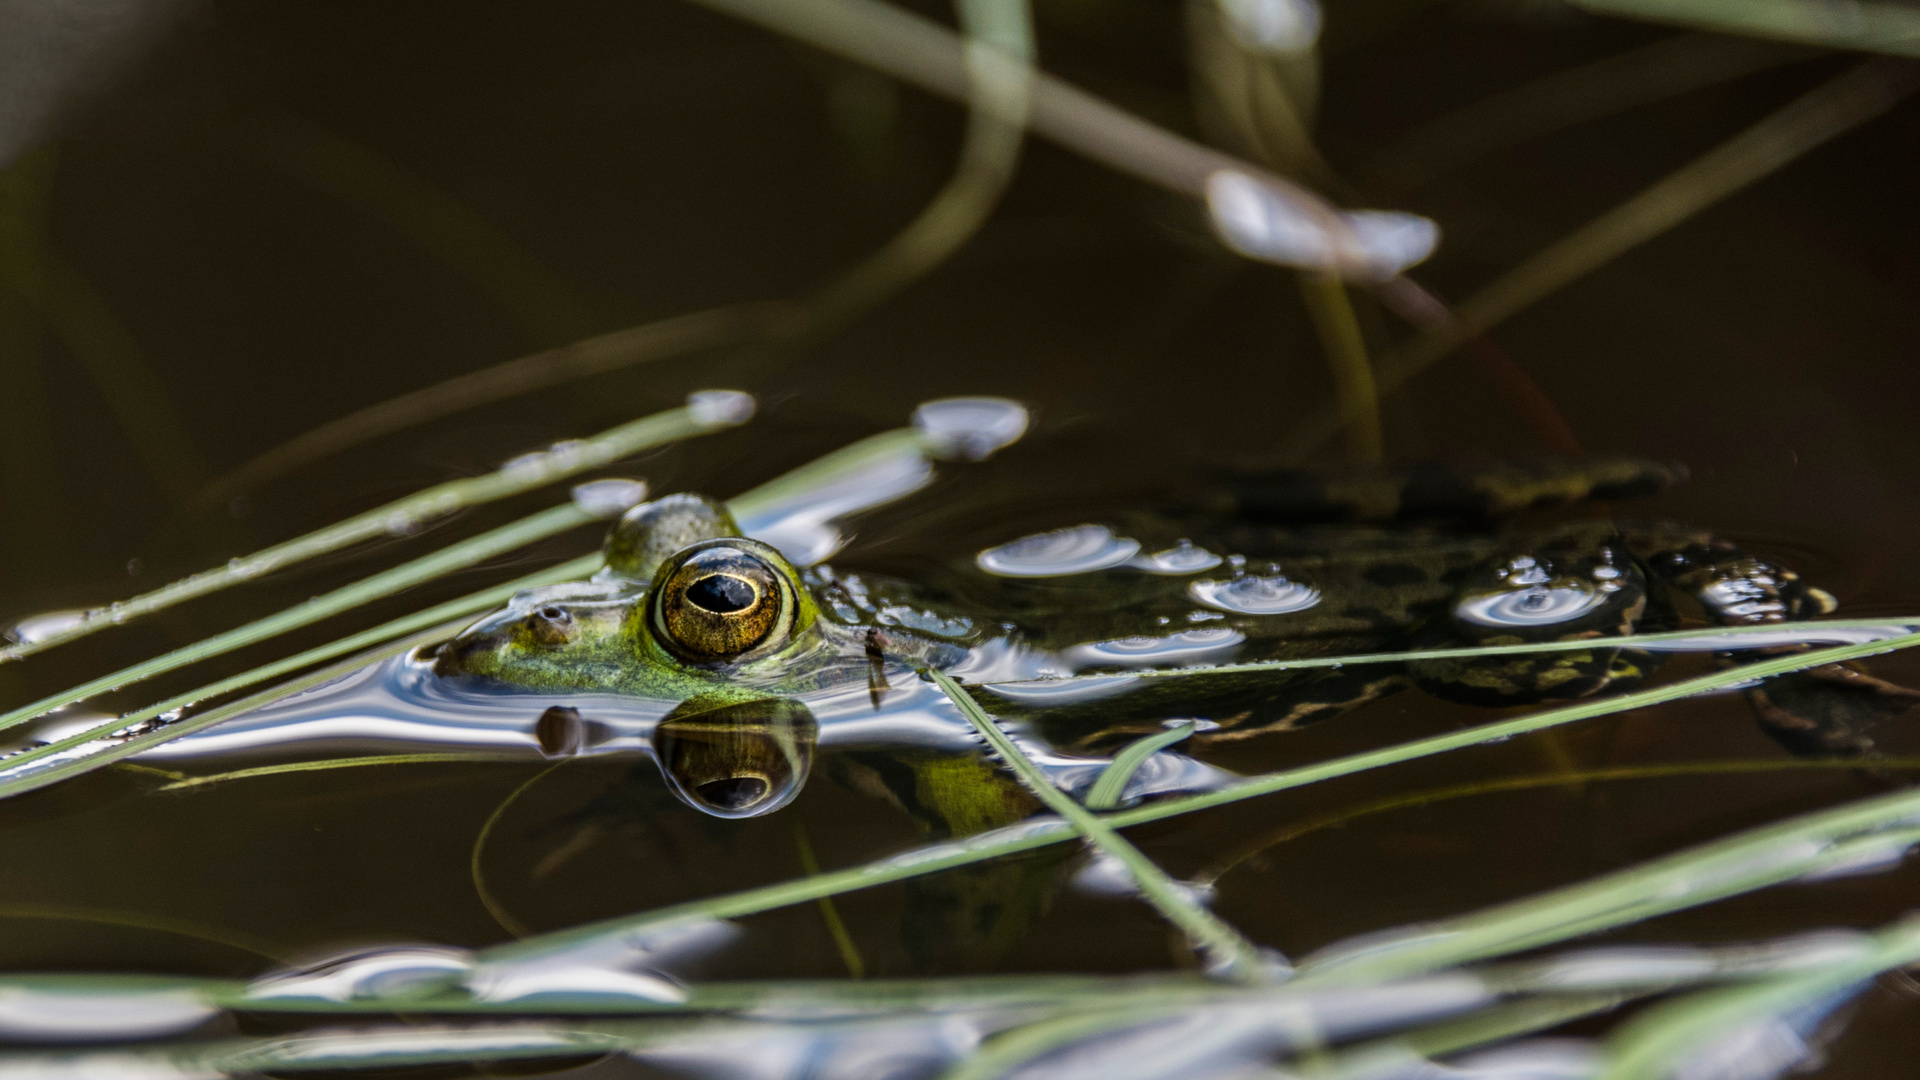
(719, 601)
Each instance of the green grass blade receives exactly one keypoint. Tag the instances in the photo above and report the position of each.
(1040, 833)
(1812, 632)
(550, 522)
(1231, 954)
(404, 515)
(1106, 791)
(1654, 1044)
(25, 771)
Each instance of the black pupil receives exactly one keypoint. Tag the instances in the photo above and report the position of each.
(721, 594)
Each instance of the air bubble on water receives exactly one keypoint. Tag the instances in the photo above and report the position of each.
(1535, 605)
(45, 625)
(609, 498)
(1278, 27)
(1186, 647)
(1078, 550)
(1181, 558)
(720, 408)
(1255, 594)
(1264, 222)
(969, 428)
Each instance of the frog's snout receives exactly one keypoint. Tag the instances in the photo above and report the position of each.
(736, 760)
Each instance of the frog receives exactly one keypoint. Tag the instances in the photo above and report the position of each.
(1049, 631)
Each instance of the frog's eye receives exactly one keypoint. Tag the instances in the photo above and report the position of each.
(720, 600)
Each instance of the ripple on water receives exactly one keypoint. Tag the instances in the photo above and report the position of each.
(1081, 549)
(1186, 647)
(1255, 594)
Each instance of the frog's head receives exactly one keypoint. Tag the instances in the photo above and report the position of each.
(685, 607)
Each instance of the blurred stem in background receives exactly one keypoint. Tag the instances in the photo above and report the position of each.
(1853, 98)
(989, 155)
(546, 309)
(1353, 385)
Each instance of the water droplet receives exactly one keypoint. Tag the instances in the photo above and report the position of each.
(1263, 222)
(1279, 27)
(1255, 594)
(40, 627)
(1181, 558)
(969, 429)
(720, 408)
(1079, 550)
(609, 498)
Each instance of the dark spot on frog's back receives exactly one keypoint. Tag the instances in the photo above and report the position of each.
(1441, 490)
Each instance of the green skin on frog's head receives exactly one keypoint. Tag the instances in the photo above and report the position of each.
(689, 613)
(686, 609)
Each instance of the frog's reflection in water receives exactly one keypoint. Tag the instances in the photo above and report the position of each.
(739, 759)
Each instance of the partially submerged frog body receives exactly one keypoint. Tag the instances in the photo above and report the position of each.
(714, 625)
(735, 642)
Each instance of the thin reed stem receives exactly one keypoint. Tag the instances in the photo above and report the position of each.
(408, 514)
(1853, 98)
(1353, 385)
(24, 771)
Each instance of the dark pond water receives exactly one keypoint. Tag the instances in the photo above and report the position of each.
(597, 165)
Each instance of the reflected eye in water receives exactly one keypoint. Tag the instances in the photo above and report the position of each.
(739, 760)
(720, 600)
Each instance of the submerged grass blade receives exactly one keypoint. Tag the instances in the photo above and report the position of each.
(330, 764)
(1294, 830)
(25, 771)
(1227, 952)
(1112, 784)
(711, 411)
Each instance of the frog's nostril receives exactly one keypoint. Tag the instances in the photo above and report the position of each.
(722, 594)
(735, 792)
